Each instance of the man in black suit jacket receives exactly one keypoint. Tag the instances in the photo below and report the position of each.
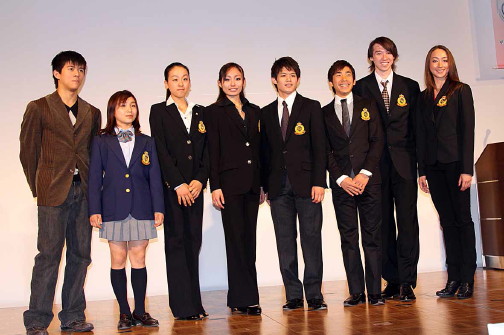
(395, 97)
(355, 144)
(293, 175)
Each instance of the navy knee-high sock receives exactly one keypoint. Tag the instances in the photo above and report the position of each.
(139, 283)
(118, 279)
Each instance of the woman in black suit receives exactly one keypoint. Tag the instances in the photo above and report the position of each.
(233, 138)
(445, 145)
(178, 129)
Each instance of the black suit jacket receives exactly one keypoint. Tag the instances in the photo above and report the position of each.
(399, 123)
(233, 147)
(303, 152)
(446, 129)
(362, 149)
(182, 156)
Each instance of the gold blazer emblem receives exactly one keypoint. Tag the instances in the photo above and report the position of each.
(145, 158)
(401, 101)
(365, 115)
(201, 127)
(442, 102)
(299, 129)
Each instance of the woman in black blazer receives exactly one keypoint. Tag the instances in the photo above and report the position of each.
(445, 145)
(233, 138)
(178, 129)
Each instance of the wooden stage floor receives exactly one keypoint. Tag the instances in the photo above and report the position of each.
(427, 315)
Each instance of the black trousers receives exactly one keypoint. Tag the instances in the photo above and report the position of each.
(454, 209)
(285, 209)
(400, 235)
(68, 222)
(239, 218)
(183, 235)
(368, 205)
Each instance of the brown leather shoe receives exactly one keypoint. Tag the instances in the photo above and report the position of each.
(145, 320)
(36, 331)
(125, 322)
(77, 326)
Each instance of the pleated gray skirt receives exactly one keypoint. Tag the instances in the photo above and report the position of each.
(129, 229)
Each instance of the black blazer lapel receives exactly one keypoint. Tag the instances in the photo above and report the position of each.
(437, 110)
(294, 114)
(177, 120)
(397, 88)
(375, 91)
(196, 118)
(271, 112)
(140, 141)
(358, 107)
(332, 120)
(236, 119)
(115, 147)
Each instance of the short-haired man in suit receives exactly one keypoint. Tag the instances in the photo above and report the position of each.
(293, 172)
(55, 139)
(395, 97)
(355, 144)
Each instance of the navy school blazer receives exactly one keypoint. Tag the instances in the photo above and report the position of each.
(116, 190)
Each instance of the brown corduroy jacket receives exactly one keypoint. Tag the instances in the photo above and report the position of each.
(51, 147)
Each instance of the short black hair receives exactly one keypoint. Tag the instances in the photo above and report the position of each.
(284, 62)
(66, 57)
(338, 66)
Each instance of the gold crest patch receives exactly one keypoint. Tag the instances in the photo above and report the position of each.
(365, 115)
(401, 101)
(145, 158)
(442, 102)
(201, 127)
(299, 129)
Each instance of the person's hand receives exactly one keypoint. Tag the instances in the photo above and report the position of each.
(218, 199)
(350, 186)
(96, 220)
(317, 194)
(422, 183)
(158, 219)
(464, 181)
(184, 195)
(195, 187)
(262, 196)
(361, 181)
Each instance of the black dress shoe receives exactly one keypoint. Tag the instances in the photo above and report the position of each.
(77, 326)
(406, 293)
(249, 310)
(390, 291)
(354, 300)
(194, 317)
(125, 321)
(36, 331)
(316, 304)
(203, 314)
(144, 320)
(465, 291)
(449, 290)
(376, 299)
(293, 304)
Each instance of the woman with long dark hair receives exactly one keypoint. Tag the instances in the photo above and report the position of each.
(178, 128)
(233, 137)
(445, 145)
(124, 196)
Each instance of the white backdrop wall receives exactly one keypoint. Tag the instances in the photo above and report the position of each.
(128, 44)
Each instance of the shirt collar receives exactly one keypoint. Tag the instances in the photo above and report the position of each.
(380, 79)
(349, 99)
(132, 129)
(289, 100)
(190, 104)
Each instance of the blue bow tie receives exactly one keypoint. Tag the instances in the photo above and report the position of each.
(125, 136)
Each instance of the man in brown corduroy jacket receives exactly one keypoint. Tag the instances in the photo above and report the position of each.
(55, 139)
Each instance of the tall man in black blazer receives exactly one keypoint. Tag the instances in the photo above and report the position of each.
(293, 165)
(395, 97)
(355, 144)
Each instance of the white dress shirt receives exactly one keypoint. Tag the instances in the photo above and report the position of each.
(290, 101)
(389, 84)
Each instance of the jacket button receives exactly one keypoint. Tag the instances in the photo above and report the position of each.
(247, 144)
(126, 175)
(189, 157)
(284, 152)
(249, 162)
(351, 156)
(128, 190)
(188, 141)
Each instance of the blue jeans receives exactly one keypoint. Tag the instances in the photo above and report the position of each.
(67, 222)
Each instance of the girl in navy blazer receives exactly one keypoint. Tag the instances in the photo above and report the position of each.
(445, 146)
(126, 201)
